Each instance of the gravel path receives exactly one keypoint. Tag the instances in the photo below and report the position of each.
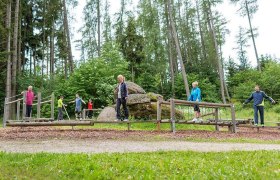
(112, 146)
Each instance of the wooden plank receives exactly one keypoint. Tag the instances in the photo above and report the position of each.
(55, 123)
(159, 113)
(11, 102)
(24, 105)
(205, 123)
(18, 110)
(5, 113)
(253, 126)
(52, 105)
(202, 104)
(172, 115)
(232, 108)
(217, 118)
(43, 102)
(84, 114)
(39, 105)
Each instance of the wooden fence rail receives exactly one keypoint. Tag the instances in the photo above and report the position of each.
(216, 106)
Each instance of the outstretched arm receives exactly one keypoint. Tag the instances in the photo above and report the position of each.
(249, 99)
(268, 98)
(83, 101)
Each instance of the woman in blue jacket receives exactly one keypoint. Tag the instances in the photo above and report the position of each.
(196, 96)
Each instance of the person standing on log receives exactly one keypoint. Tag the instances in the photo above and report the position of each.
(78, 106)
(196, 96)
(258, 105)
(122, 93)
(29, 97)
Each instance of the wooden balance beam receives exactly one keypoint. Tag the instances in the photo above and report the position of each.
(35, 123)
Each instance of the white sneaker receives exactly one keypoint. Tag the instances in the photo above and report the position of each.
(125, 120)
(194, 120)
(198, 121)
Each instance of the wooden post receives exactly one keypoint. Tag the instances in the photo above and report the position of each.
(233, 118)
(18, 110)
(39, 105)
(5, 113)
(217, 118)
(158, 112)
(84, 113)
(172, 115)
(128, 126)
(24, 105)
(52, 106)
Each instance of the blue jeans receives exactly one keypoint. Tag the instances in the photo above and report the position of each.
(259, 109)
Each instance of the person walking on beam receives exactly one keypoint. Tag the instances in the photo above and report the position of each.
(258, 105)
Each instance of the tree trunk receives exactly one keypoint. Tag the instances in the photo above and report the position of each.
(8, 79)
(19, 42)
(225, 85)
(34, 61)
(201, 32)
(220, 66)
(170, 49)
(44, 38)
(174, 33)
(66, 28)
(253, 36)
(15, 54)
(52, 50)
(98, 30)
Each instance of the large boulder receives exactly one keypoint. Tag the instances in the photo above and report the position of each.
(138, 99)
(107, 114)
(141, 106)
(154, 97)
(134, 88)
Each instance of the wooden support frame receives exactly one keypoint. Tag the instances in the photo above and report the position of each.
(24, 105)
(39, 105)
(52, 105)
(217, 118)
(18, 110)
(215, 106)
(159, 101)
(172, 115)
(233, 128)
(5, 113)
(93, 110)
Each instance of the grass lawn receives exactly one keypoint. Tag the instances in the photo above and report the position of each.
(156, 165)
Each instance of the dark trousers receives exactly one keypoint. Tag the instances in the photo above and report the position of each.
(89, 113)
(259, 109)
(28, 110)
(122, 101)
(60, 114)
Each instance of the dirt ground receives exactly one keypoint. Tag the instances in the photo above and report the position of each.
(97, 134)
(58, 140)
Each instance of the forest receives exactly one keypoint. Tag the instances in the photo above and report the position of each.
(163, 46)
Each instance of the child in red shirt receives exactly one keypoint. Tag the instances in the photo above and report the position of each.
(90, 112)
